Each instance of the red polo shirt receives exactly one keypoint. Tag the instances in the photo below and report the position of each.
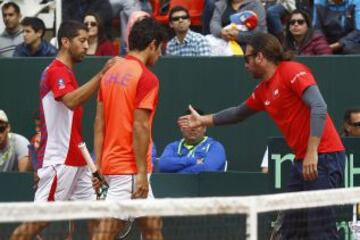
(281, 97)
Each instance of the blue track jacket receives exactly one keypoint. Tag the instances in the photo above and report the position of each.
(208, 155)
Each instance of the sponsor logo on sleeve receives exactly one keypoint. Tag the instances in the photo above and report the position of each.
(296, 77)
(61, 83)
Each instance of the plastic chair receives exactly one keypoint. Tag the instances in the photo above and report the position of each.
(195, 8)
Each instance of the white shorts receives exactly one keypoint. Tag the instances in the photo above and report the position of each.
(61, 183)
(121, 187)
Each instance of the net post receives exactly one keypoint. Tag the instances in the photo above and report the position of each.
(252, 222)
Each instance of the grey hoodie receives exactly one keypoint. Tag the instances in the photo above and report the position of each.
(243, 37)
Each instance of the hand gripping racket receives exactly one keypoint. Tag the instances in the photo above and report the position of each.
(101, 192)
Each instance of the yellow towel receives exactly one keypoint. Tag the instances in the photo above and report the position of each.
(235, 48)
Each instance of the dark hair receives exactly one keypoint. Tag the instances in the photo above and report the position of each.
(178, 9)
(35, 23)
(198, 110)
(347, 117)
(100, 25)
(69, 29)
(144, 32)
(11, 4)
(289, 38)
(269, 46)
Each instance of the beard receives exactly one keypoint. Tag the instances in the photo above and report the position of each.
(77, 57)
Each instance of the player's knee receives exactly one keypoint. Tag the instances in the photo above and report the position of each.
(151, 229)
(106, 229)
(28, 230)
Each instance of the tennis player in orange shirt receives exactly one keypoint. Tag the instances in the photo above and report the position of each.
(126, 106)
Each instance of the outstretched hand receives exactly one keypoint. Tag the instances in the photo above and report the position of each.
(193, 120)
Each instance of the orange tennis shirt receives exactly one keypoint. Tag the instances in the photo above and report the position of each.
(126, 86)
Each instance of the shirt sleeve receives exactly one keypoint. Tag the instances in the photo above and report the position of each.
(298, 78)
(60, 82)
(100, 95)
(254, 101)
(204, 47)
(170, 161)
(147, 92)
(21, 146)
(213, 161)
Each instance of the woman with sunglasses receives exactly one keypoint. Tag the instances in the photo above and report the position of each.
(99, 45)
(301, 38)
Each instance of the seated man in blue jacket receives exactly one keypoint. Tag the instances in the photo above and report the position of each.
(34, 44)
(194, 153)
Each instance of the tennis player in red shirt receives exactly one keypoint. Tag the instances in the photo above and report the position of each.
(289, 94)
(62, 171)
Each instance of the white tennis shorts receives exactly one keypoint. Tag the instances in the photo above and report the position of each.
(121, 187)
(61, 183)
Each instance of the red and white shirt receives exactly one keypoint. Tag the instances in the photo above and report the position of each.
(60, 126)
(281, 97)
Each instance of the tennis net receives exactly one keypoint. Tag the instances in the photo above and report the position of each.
(250, 217)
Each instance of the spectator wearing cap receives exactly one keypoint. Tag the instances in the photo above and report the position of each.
(351, 122)
(185, 42)
(13, 34)
(34, 45)
(14, 154)
(194, 153)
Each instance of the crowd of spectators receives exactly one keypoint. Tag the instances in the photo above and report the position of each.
(305, 27)
(321, 27)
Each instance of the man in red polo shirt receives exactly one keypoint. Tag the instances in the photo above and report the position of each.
(62, 171)
(289, 94)
(126, 106)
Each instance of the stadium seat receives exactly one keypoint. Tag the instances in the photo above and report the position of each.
(195, 9)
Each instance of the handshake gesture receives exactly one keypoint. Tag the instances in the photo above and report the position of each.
(194, 120)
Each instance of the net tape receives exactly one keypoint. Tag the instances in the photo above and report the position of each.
(56, 211)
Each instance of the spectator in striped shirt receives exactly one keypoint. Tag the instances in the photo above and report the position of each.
(185, 42)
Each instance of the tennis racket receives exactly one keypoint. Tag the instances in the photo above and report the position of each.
(276, 228)
(126, 230)
(101, 192)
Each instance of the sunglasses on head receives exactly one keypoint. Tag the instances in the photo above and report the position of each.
(174, 19)
(298, 21)
(355, 124)
(92, 24)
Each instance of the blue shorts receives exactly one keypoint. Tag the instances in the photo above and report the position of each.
(316, 223)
